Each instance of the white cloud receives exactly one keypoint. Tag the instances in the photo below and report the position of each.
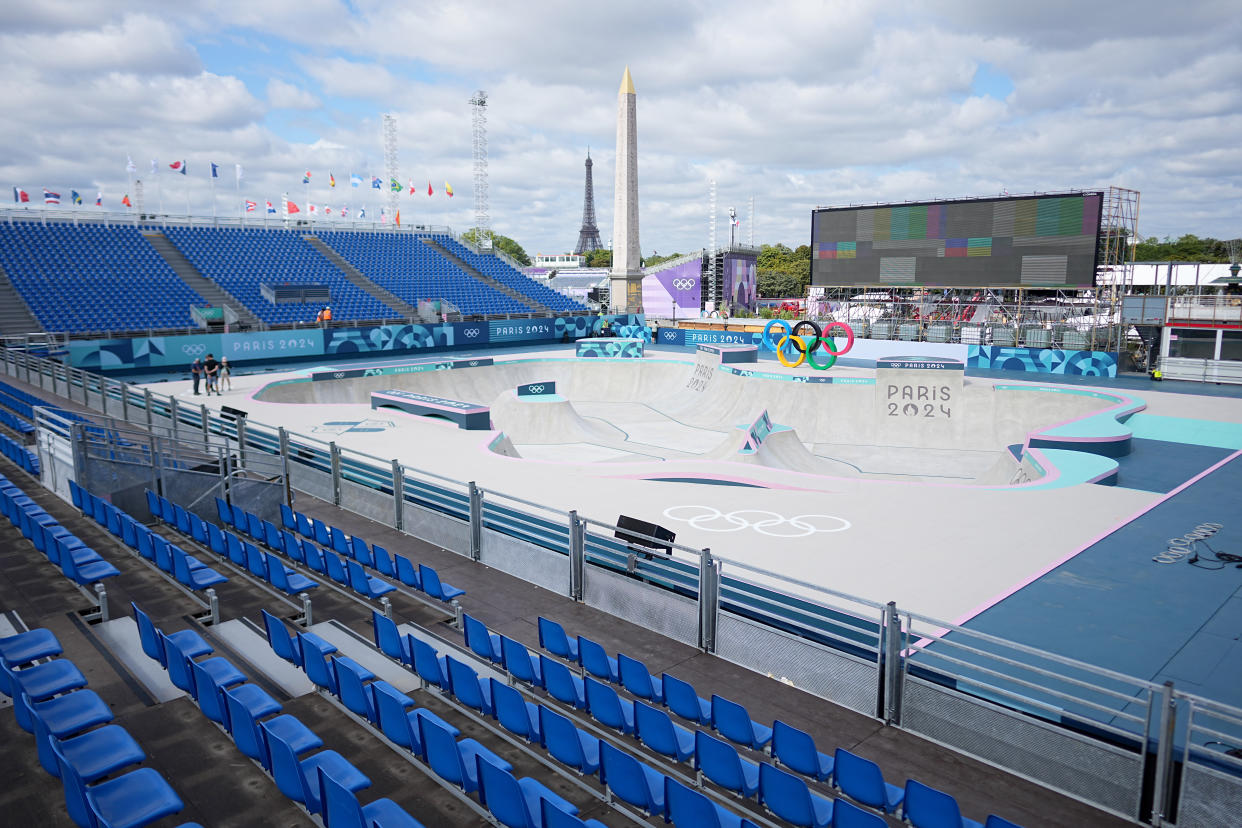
(797, 103)
(281, 95)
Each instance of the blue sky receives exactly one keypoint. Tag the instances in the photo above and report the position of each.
(793, 104)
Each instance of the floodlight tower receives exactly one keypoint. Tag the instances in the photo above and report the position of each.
(390, 163)
(482, 221)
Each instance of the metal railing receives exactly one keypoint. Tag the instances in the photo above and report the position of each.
(1112, 740)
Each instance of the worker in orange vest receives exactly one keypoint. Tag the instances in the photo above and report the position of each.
(319, 316)
(327, 313)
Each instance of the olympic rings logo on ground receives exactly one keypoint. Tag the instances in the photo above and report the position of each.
(683, 284)
(711, 519)
(792, 342)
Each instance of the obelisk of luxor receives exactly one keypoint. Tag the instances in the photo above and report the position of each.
(627, 275)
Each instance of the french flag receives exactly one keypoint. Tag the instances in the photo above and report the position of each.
(50, 197)
(99, 200)
(250, 205)
(20, 196)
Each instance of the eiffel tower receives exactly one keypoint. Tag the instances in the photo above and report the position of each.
(588, 236)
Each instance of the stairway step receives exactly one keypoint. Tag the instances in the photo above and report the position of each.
(356, 277)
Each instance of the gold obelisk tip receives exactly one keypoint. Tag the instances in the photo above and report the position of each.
(627, 83)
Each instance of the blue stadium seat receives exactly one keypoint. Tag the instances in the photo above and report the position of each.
(789, 798)
(298, 779)
(732, 721)
(433, 586)
(454, 761)
(280, 640)
(631, 780)
(468, 688)
(552, 638)
(861, 780)
(383, 561)
(343, 810)
(430, 665)
(567, 743)
(520, 662)
(285, 579)
(392, 712)
(406, 573)
(315, 655)
(352, 681)
(926, 807)
(637, 680)
(388, 639)
(688, 807)
(719, 761)
(796, 750)
(252, 741)
(480, 640)
(656, 730)
(561, 684)
(607, 708)
(137, 798)
(517, 803)
(514, 713)
(596, 661)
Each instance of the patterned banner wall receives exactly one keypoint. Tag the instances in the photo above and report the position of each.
(180, 351)
(1043, 361)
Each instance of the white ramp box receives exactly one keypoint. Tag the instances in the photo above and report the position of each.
(918, 402)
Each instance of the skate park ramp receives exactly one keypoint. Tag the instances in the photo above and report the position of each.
(667, 410)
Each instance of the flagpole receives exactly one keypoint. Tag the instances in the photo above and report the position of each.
(159, 186)
(213, 196)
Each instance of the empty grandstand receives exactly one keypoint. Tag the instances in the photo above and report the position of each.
(122, 280)
(92, 277)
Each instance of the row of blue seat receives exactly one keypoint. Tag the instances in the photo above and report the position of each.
(368, 556)
(51, 701)
(626, 777)
(249, 558)
(24, 403)
(157, 550)
(16, 423)
(76, 560)
(19, 454)
(854, 776)
(516, 802)
(325, 783)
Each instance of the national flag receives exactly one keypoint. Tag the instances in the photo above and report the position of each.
(383, 216)
(50, 197)
(327, 211)
(331, 180)
(130, 167)
(215, 170)
(411, 183)
(20, 195)
(125, 201)
(74, 197)
(270, 208)
(99, 199)
(429, 190)
(291, 208)
(239, 172)
(345, 211)
(250, 205)
(306, 177)
(394, 185)
(177, 166)
(398, 220)
(355, 179)
(362, 212)
(310, 208)
(376, 183)
(448, 189)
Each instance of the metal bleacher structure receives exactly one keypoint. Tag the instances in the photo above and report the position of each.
(103, 273)
(573, 674)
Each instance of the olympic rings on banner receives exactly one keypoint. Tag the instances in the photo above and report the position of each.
(791, 342)
(711, 519)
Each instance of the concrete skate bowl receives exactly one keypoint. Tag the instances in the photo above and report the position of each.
(671, 414)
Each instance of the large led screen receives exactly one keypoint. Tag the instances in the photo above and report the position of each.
(1031, 241)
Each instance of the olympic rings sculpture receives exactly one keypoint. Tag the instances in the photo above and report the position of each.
(711, 519)
(792, 341)
(1179, 548)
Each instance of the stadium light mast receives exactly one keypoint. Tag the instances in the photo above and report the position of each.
(391, 168)
(482, 221)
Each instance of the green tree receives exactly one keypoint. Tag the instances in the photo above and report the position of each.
(1188, 248)
(599, 258)
(655, 259)
(782, 272)
(500, 242)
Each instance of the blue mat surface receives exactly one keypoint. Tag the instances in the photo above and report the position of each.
(1161, 466)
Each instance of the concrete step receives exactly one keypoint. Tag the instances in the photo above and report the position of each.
(209, 289)
(16, 317)
(358, 278)
(478, 276)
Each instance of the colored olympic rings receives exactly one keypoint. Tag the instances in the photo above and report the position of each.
(792, 341)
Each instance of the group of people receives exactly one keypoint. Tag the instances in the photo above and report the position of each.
(216, 373)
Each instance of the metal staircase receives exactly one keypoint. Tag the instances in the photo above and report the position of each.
(206, 288)
(15, 315)
(529, 301)
(398, 306)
